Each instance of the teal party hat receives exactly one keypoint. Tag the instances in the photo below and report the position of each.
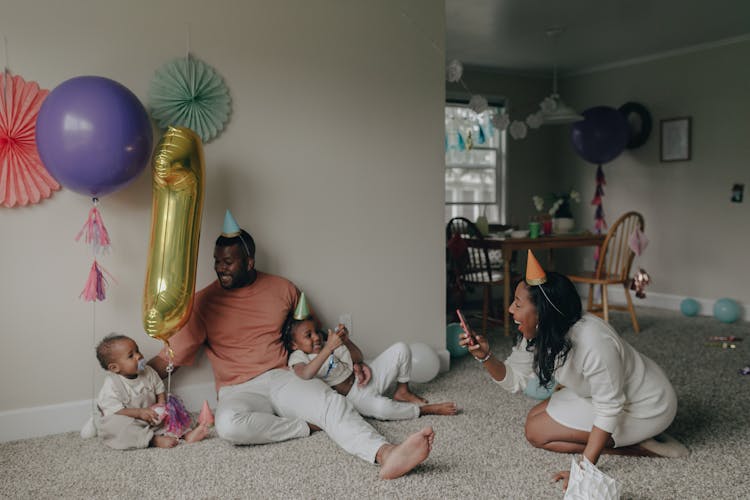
(231, 228)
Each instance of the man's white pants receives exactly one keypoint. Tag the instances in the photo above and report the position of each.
(277, 405)
(392, 365)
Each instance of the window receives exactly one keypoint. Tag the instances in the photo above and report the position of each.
(474, 165)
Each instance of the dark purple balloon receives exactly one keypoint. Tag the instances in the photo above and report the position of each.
(601, 136)
(93, 135)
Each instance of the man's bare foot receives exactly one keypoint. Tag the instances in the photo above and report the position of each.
(403, 393)
(449, 408)
(397, 460)
(163, 441)
(200, 432)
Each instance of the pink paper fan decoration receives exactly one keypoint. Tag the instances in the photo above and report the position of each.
(23, 178)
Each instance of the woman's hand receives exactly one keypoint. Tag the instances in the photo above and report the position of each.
(564, 475)
(480, 347)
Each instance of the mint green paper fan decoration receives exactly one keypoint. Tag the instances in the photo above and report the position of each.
(187, 92)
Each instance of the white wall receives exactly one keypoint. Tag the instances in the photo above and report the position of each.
(332, 159)
(699, 239)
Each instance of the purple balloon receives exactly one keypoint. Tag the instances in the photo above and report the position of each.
(93, 135)
(601, 136)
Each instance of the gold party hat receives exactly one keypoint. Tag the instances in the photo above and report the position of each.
(535, 275)
(302, 311)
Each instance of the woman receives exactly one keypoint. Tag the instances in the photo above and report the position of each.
(613, 399)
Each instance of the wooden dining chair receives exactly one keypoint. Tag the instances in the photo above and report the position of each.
(613, 267)
(469, 265)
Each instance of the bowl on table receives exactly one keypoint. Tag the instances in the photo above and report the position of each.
(519, 233)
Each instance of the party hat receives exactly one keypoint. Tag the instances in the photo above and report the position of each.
(535, 275)
(206, 417)
(302, 311)
(231, 228)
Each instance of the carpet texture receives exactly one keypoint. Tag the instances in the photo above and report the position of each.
(480, 453)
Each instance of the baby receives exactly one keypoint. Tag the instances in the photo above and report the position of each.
(338, 362)
(132, 399)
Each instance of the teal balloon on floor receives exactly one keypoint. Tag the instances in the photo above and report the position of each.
(540, 392)
(452, 337)
(690, 307)
(726, 310)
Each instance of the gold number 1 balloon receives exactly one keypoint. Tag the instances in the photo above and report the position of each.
(178, 175)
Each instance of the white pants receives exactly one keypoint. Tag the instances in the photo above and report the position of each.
(392, 365)
(247, 413)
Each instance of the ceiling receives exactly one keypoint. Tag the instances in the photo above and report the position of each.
(511, 35)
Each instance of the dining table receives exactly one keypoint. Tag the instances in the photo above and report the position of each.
(551, 242)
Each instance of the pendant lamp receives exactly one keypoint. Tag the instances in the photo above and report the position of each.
(554, 109)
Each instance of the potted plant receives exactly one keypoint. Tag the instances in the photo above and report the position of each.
(560, 209)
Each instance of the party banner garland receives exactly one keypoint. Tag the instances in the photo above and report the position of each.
(187, 92)
(23, 178)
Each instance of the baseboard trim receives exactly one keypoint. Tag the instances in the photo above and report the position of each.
(662, 301)
(40, 421)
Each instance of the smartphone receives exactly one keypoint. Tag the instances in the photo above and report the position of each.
(465, 326)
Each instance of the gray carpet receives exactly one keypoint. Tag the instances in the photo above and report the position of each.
(481, 453)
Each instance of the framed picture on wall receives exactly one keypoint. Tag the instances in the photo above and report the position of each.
(675, 139)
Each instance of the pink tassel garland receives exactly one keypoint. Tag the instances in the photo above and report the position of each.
(94, 231)
(600, 224)
(177, 420)
(95, 284)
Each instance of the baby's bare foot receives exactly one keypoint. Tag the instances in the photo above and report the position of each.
(313, 428)
(449, 408)
(397, 460)
(164, 441)
(403, 393)
(200, 432)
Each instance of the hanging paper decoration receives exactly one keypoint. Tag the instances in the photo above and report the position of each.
(94, 232)
(96, 284)
(517, 129)
(23, 177)
(600, 224)
(189, 93)
(454, 71)
(478, 103)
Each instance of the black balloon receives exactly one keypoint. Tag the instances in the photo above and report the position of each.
(639, 123)
(601, 136)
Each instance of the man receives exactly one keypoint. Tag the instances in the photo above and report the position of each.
(238, 319)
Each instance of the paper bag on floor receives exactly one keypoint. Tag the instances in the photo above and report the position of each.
(589, 483)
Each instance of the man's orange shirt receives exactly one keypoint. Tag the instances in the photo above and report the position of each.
(240, 328)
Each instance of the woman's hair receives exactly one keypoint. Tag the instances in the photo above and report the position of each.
(551, 344)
